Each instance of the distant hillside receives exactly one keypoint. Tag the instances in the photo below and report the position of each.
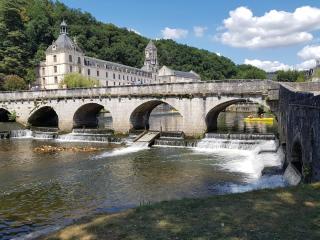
(28, 27)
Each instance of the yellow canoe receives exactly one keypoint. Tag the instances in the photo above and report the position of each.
(257, 119)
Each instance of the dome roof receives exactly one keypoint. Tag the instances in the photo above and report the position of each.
(63, 43)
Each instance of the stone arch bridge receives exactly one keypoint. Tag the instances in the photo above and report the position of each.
(130, 106)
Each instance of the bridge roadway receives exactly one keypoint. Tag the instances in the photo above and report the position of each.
(130, 106)
(296, 105)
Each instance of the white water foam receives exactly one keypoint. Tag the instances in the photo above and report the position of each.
(21, 134)
(248, 157)
(135, 147)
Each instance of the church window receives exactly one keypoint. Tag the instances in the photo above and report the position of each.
(127, 78)
(79, 60)
(70, 68)
(89, 72)
(107, 83)
(114, 76)
(55, 80)
(119, 77)
(79, 70)
(70, 58)
(123, 77)
(43, 71)
(98, 73)
(43, 81)
(114, 83)
(119, 83)
(55, 68)
(106, 74)
(54, 58)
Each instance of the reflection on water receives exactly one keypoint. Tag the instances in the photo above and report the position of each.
(166, 122)
(42, 190)
(231, 122)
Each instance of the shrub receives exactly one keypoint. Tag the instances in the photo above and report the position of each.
(14, 82)
(74, 80)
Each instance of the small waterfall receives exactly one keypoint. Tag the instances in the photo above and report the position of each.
(217, 143)
(89, 135)
(170, 142)
(241, 136)
(91, 131)
(44, 135)
(23, 133)
(4, 135)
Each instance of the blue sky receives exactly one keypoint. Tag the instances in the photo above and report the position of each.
(268, 39)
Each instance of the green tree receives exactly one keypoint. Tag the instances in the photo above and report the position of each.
(290, 76)
(74, 80)
(245, 71)
(14, 82)
(13, 41)
(28, 27)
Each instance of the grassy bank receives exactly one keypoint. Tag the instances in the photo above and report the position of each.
(291, 213)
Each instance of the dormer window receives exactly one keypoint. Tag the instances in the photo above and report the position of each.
(54, 47)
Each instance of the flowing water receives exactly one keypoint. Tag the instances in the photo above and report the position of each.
(40, 192)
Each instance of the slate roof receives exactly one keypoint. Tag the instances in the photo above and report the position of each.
(151, 45)
(185, 74)
(63, 42)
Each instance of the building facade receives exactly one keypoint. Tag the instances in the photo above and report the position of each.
(65, 56)
(168, 75)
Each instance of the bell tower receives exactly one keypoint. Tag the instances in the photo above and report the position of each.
(151, 58)
(64, 28)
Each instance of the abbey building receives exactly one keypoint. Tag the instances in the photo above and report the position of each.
(65, 56)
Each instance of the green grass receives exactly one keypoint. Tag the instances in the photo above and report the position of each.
(289, 213)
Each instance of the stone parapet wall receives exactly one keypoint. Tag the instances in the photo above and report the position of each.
(221, 87)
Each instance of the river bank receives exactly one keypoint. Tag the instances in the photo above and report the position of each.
(283, 213)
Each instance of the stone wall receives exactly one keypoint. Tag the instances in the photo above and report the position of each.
(299, 129)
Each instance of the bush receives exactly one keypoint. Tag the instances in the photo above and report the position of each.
(14, 82)
(290, 76)
(74, 80)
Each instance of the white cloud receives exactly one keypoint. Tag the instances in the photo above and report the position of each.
(268, 66)
(309, 52)
(273, 29)
(306, 65)
(273, 66)
(199, 31)
(174, 33)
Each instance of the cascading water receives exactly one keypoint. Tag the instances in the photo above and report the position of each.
(22, 133)
(250, 158)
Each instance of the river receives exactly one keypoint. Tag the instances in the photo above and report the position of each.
(43, 191)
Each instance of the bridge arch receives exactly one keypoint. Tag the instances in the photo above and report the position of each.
(87, 116)
(211, 118)
(296, 156)
(139, 118)
(212, 115)
(4, 115)
(44, 117)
